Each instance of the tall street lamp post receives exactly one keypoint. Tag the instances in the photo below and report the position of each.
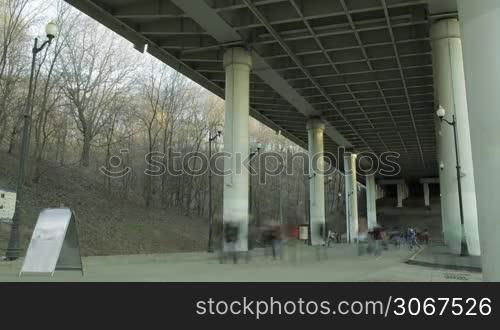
(13, 249)
(307, 208)
(210, 216)
(441, 113)
(349, 220)
(250, 198)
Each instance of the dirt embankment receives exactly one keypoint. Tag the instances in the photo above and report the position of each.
(107, 223)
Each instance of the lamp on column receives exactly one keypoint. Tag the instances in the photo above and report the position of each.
(441, 113)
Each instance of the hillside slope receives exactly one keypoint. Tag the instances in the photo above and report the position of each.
(107, 225)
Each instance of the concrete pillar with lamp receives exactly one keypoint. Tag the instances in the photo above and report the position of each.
(457, 173)
(237, 64)
(316, 128)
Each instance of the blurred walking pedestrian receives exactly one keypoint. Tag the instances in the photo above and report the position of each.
(231, 232)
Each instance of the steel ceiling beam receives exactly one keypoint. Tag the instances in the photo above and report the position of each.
(403, 79)
(276, 35)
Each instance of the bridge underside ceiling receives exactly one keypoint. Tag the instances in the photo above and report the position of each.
(363, 66)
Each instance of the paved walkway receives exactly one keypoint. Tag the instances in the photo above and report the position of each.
(439, 256)
(341, 265)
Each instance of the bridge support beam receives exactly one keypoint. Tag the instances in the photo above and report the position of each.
(371, 201)
(480, 23)
(237, 64)
(451, 94)
(315, 129)
(351, 198)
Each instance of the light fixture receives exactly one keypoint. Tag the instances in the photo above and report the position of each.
(441, 166)
(51, 30)
(441, 112)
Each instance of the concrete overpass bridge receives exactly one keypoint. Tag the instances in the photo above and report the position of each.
(367, 75)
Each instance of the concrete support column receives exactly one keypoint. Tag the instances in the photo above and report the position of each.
(351, 198)
(401, 194)
(371, 201)
(237, 64)
(380, 192)
(480, 23)
(316, 128)
(449, 82)
(427, 199)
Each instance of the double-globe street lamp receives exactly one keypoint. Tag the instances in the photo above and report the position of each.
(13, 249)
(441, 113)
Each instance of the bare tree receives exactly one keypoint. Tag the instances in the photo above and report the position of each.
(14, 21)
(95, 72)
(152, 115)
(178, 91)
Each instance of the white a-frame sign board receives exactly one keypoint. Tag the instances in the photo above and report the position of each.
(54, 244)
